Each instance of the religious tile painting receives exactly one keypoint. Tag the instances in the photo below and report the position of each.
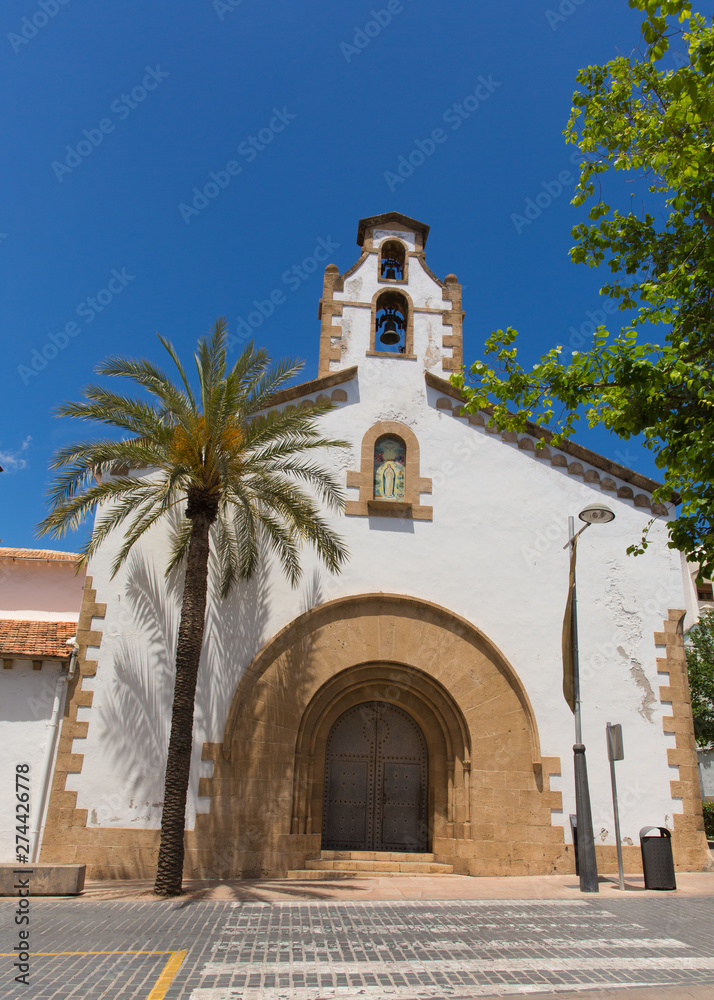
(389, 469)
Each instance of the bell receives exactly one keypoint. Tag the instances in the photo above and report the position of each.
(389, 334)
(391, 274)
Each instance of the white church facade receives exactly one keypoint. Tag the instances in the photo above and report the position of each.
(410, 707)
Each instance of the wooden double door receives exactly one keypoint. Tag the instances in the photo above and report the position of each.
(375, 781)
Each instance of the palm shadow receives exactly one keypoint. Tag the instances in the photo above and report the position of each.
(251, 822)
(134, 722)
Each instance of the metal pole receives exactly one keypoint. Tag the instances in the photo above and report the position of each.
(586, 838)
(616, 811)
(53, 726)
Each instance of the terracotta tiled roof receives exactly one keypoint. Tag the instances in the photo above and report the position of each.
(23, 640)
(39, 554)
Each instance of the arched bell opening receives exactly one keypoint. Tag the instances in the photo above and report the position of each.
(392, 317)
(392, 261)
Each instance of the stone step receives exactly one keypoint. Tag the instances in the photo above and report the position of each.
(380, 867)
(323, 874)
(372, 856)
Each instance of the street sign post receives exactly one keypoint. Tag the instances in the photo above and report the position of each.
(615, 751)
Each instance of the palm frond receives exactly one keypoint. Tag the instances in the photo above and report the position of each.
(271, 382)
(293, 420)
(283, 542)
(114, 409)
(181, 370)
(145, 518)
(180, 538)
(67, 515)
(154, 380)
(226, 440)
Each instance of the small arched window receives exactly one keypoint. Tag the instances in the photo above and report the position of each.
(391, 323)
(391, 261)
(390, 464)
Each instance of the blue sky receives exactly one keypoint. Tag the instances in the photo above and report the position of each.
(119, 114)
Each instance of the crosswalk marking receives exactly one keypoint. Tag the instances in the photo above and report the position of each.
(410, 952)
(481, 965)
(386, 992)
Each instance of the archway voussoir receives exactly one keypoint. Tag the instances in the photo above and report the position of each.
(412, 643)
(365, 637)
(319, 664)
(436, 648)
(488, 696)
(386, 629)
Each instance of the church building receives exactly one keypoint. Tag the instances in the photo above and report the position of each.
(406, 715)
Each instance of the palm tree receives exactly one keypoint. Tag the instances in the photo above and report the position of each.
(247, 484)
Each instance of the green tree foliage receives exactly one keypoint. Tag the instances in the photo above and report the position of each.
(226, 474)
(700, 666)
(708, 809)
(648, 115)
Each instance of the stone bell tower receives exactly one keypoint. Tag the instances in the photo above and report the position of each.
(389, 305)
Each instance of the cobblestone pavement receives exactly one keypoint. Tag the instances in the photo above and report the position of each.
(407, 950)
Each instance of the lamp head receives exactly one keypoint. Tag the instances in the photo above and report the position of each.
(596, 513)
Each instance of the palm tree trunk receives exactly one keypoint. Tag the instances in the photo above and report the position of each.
(188, 654)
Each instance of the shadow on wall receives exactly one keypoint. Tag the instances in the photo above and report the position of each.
(252, 793)
(135, 723)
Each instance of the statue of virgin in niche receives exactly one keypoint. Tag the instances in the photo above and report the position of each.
(389, 469)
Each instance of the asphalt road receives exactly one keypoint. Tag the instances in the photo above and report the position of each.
(228, 950)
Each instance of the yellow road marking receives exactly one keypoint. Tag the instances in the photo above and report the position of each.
(45, 954)
(34, 954)
(161, 985)
(167, 976)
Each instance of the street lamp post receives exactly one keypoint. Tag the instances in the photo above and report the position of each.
(587, 862)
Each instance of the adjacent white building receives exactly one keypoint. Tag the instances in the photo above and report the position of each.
(40, 597)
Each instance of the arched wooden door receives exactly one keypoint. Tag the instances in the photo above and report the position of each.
(375, 781)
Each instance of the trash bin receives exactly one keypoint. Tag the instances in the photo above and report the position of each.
(574, 831)
(657, 862)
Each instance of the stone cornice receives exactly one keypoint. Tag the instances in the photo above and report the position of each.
(314, 385)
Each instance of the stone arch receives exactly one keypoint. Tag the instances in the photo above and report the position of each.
(403, 294)
(416, 484)
(492, 803)
(391, 247)
(431, 706)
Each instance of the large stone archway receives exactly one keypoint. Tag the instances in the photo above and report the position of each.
(489, 797)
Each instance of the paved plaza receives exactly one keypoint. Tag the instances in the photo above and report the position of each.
(300, 944)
